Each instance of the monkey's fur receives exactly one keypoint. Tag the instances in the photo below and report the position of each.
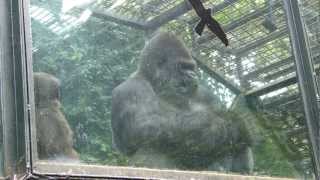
(54, 135)
(163, 118)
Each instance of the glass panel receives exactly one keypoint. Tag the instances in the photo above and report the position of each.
(106, 94)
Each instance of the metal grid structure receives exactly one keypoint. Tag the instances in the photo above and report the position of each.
(257, 55)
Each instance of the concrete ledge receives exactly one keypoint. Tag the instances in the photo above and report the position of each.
(96, 171)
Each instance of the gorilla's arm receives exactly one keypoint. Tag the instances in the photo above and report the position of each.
(243, 161)
(136, 119)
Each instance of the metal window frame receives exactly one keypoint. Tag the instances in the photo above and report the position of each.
(14, 88)
(16, 93)
(306, 78)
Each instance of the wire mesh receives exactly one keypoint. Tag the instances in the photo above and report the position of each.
(142, 10)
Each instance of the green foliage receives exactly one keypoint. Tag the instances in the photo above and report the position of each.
(89, 63)
(270, 160)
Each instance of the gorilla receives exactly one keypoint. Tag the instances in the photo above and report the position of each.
(163, 118)
(54, 135)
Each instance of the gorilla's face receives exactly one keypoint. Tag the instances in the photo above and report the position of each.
(169, 67)
(177, 76)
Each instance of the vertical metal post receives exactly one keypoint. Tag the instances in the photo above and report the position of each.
(6, 89)
(2, 56)
(305, 75)
(13, 88)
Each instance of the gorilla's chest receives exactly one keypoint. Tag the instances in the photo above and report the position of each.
(190, 123)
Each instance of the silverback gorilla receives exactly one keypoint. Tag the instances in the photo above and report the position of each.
(163, 118)
(54, 136)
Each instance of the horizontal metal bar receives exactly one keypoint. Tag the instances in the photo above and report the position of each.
(179, 10)
(277, 102)
(260, 42)
(286, 61)
(256, 73)
(273, 86)
(280, 73)
(169, 15)
(219, 77)
(118, 19)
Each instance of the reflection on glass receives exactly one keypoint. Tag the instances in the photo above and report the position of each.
(178, 101)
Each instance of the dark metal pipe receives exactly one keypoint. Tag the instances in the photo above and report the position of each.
(305, 76)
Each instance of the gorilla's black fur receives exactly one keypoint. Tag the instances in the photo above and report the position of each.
(163, 118)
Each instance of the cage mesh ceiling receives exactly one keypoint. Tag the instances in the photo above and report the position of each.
(259, 51)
